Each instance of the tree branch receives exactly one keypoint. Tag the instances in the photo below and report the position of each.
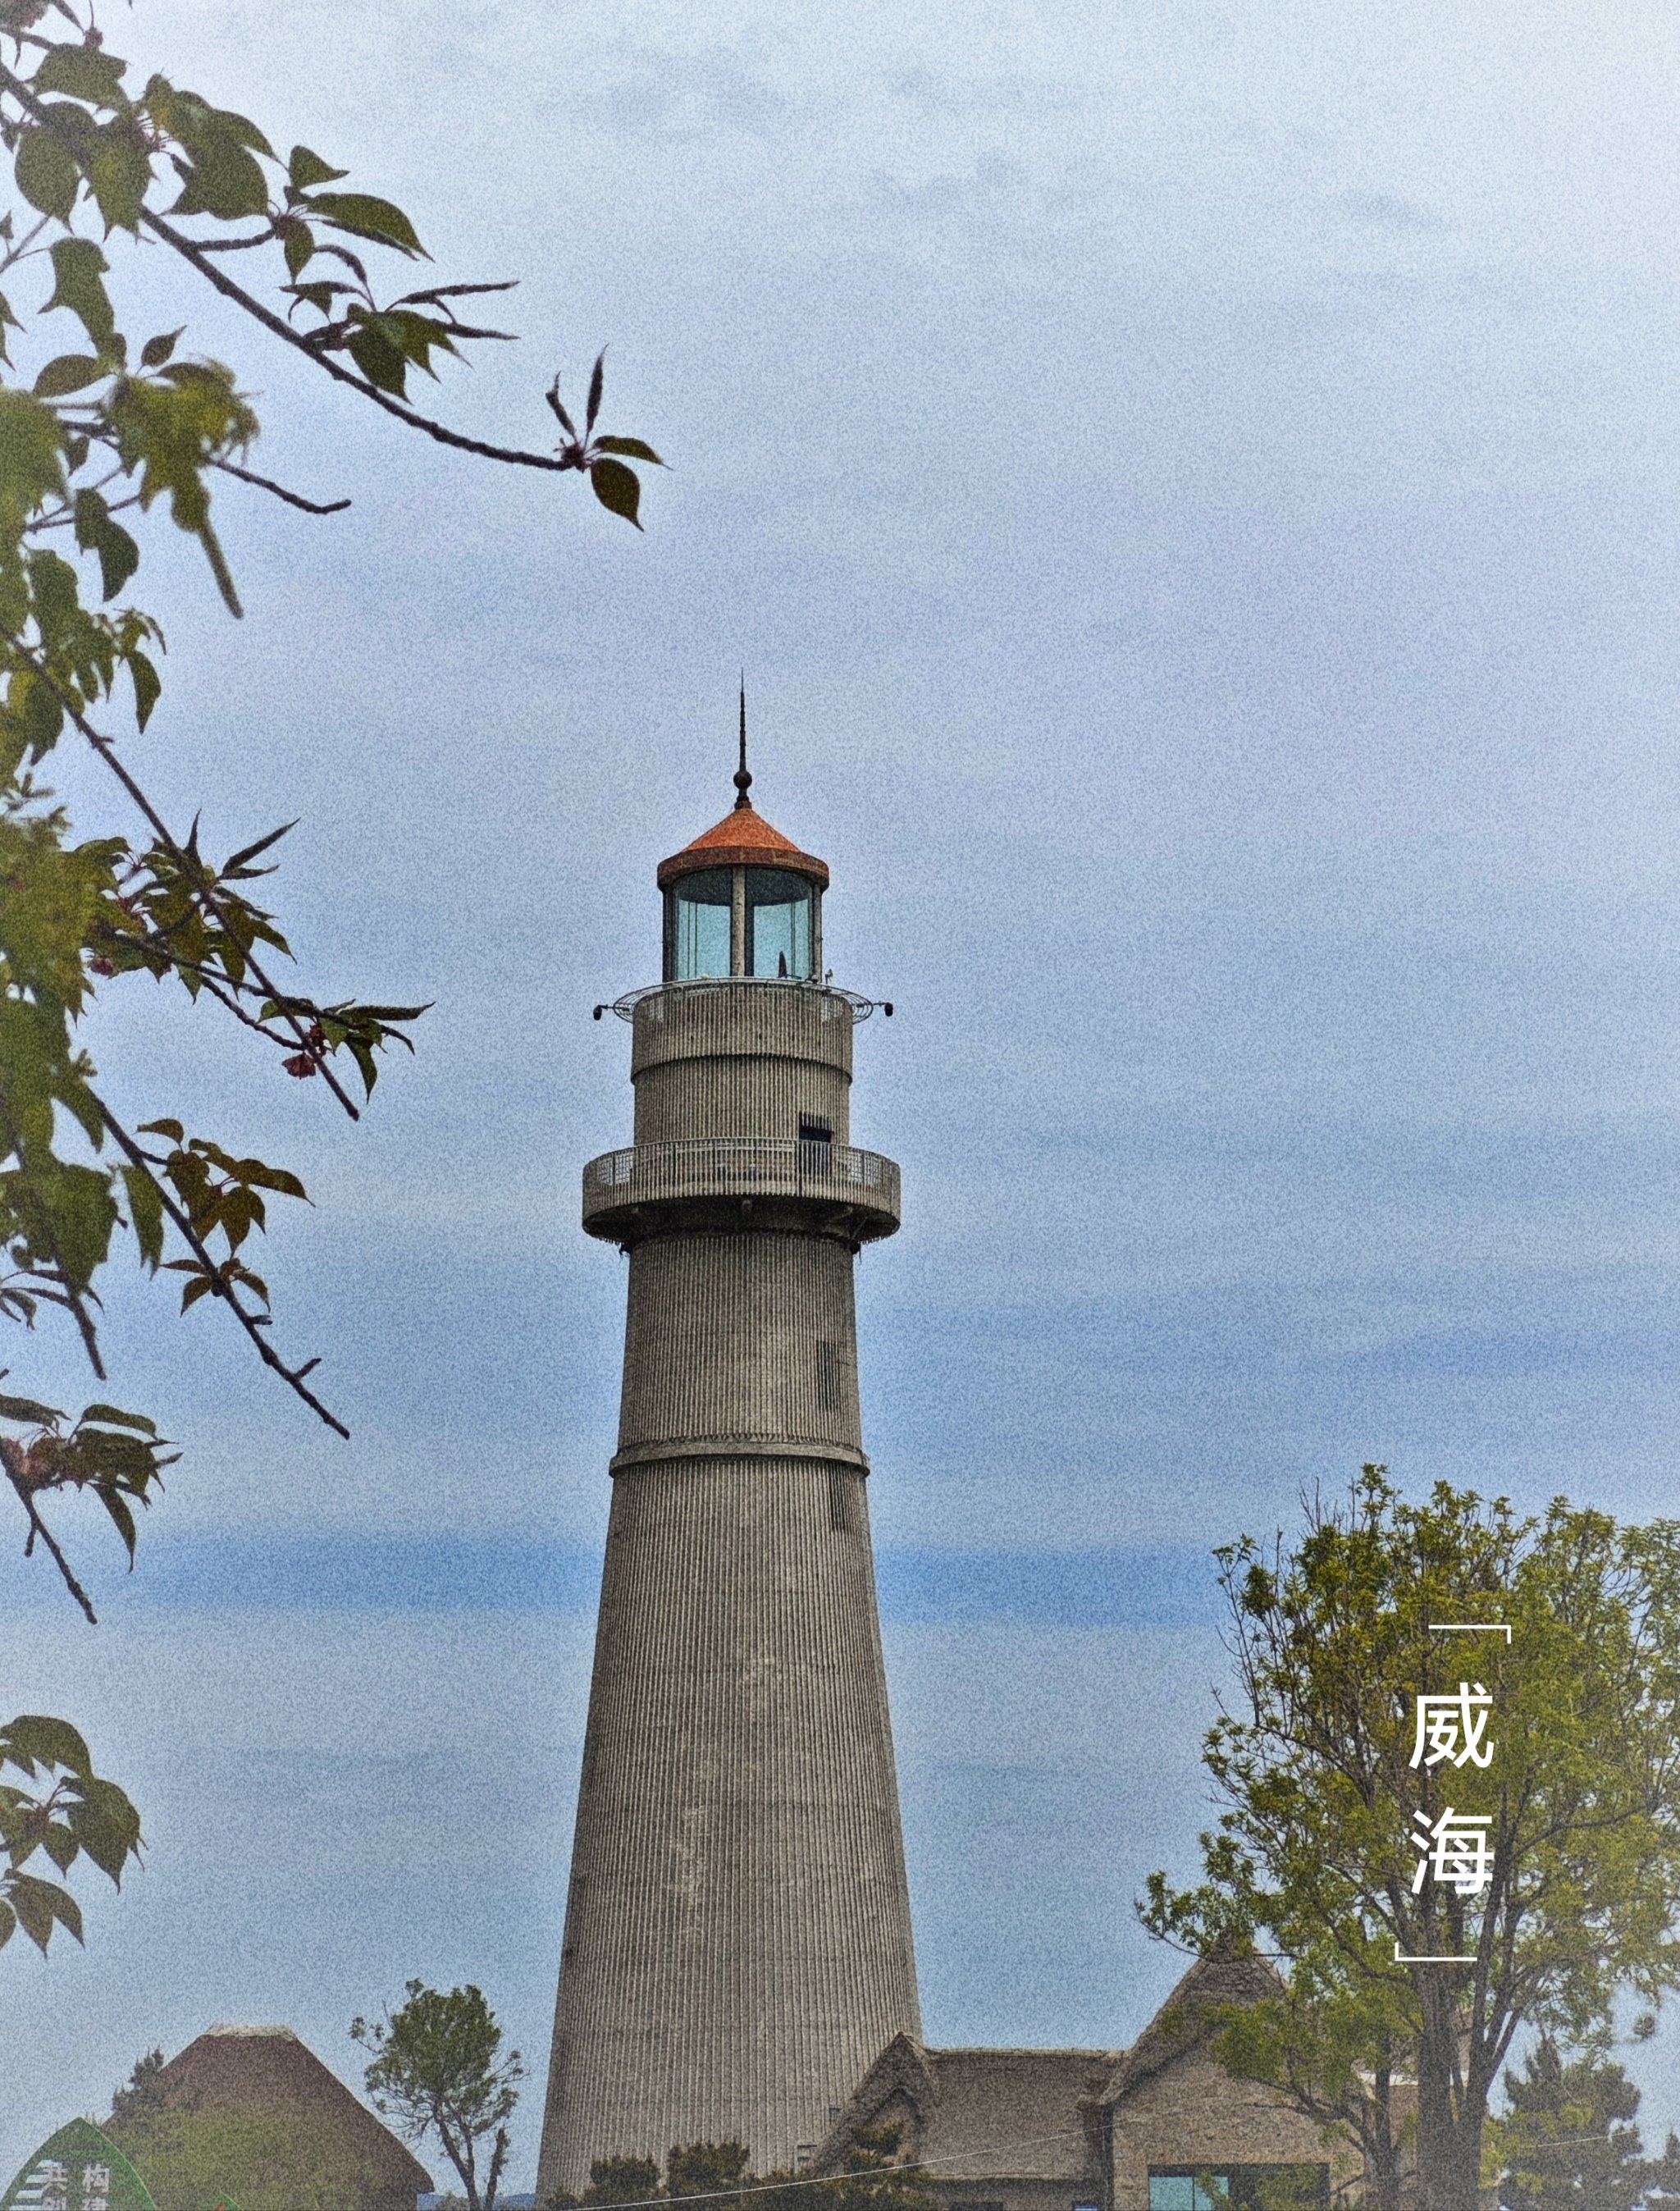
(251, 1323)
(266, 483)
(197, 256)
(9, 1455)
(277, 325)
(194, 868)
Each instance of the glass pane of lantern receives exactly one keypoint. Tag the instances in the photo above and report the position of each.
(702, 923)
(778, 923)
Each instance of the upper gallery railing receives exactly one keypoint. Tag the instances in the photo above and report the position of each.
(834, 1002)
(741, 1166)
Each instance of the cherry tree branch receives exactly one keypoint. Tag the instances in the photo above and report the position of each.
(193, 868)
(266, 483)
(251, 1323)
(10, 1454)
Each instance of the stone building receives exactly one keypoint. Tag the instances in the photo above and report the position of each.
(1159, 2127)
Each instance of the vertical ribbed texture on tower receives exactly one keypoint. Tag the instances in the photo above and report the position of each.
(737, 1947)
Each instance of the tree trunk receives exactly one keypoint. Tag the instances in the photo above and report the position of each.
(1448, 2150)
(1383, 2169)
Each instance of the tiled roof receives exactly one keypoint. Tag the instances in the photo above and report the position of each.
(985, 2115)
(742, 839)
(266, 2071)
(1226, 1975)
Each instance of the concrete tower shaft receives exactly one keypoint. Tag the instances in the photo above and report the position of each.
(737, 1947)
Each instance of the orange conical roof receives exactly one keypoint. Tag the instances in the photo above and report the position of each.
(743, 839)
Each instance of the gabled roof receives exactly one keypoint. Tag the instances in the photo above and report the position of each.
(266, 2071)
(1226, 1974)
(984, 2115)
(743, 839)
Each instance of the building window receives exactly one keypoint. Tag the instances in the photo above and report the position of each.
(1239, 2187)
(702, 923)
(778, 924)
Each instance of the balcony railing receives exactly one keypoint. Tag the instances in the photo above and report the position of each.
(744, 1167)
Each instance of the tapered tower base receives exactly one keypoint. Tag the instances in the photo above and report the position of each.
(738, 1939)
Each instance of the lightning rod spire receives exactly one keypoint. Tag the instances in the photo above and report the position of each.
(743, 779)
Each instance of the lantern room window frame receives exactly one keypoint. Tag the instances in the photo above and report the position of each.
(798, 945)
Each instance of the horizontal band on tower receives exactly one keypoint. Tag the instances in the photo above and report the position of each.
(634, 1455)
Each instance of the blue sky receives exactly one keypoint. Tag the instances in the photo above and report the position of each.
(1196, 490)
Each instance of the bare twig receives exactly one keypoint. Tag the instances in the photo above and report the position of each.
(266, 483)
(235, 244)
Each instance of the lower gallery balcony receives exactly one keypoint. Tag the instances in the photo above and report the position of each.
(740, 1181)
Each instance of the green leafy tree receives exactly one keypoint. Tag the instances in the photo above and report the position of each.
(104, 431)
(623, 2180)
(869, 2177)
(56, 1811)
(1568, 2141)
(437, 2069)
(704, 2169)
(143, 2093)
(105, 434)
(1662, 2178)
(1321, 1854)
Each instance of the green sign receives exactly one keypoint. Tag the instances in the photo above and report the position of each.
(77, 2169)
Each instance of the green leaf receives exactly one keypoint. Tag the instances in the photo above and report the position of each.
(146, 1211)
(632, 448)
(119, 174)
(119, 554)
(47, 1741)
(30, 463)
(60, 1845)
(364, 216)
(266, 1177)
(30, 1409)
(223, 180)
(121, 1518)
(298, 246)
(85, 73)
(237, 865)
(378, 359)
(617, 487)
(70, 372)
(114, 1417)
(306, 169)
(157, 350)
(80, 266)
(148, 685)
(46, 173)
(106, 1824)
(37, 1904)
(173, 1130)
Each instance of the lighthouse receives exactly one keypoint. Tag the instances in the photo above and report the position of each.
(737, 1948)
